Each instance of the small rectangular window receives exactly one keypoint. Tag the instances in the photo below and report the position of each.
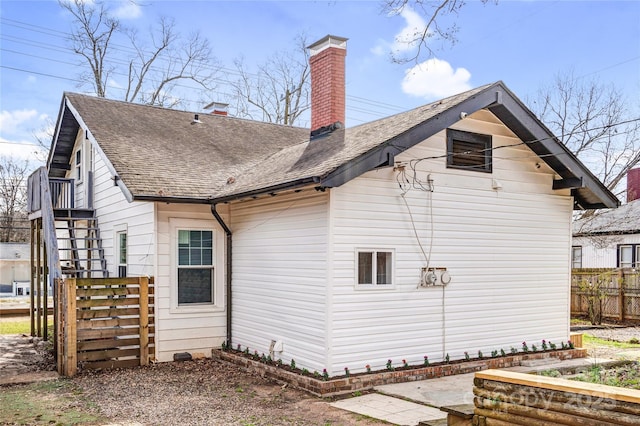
(637, 262)
(195, 267)
(79, 165)
(469, 151)
(122, 254)
(375, 267)
(576, 257)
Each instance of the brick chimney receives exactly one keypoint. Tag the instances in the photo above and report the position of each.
(633, 185)
(326, 59)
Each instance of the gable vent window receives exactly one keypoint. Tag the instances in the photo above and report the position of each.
(468, 151)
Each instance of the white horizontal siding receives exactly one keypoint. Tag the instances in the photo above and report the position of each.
(279, 276)
(114, 212)
(185, 329)
(507, 252)
(601, 251)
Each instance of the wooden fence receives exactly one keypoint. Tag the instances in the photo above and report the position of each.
(104, 323)
(606, 293)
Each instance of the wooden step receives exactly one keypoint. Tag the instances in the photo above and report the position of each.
(438, 422)
(79, 248)
(79, 238)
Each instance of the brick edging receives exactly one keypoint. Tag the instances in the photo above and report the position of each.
(364, 381)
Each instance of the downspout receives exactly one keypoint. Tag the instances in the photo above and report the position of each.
(227, 231)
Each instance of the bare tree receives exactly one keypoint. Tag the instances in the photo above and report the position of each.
(595, 122)
(153, 67)
(279, 91)
(433, 11)
(92, 40)
(13, 199)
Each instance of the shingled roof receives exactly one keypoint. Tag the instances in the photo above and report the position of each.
(159, 154)
(623, 220)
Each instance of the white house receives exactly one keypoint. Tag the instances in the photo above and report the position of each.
(611, 238)
(14, 268)
(436, 231)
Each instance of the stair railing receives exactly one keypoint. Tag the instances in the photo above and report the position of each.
(38, 184)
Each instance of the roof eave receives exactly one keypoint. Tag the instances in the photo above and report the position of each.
(517, 117)
(292, 185)
(384, 153)
(285, 186)
(521, 121)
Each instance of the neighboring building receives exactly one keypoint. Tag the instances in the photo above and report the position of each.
(610, 238)
(436, 231)
(14, 268)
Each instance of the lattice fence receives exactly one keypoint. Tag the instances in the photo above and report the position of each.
(606, 293)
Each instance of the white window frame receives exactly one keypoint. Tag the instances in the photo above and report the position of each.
(78, 165)
(573, 257)
(177, 224)
(620, 247)
(118, 231)
(374, 285)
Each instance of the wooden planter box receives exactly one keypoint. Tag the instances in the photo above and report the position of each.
(363, 381)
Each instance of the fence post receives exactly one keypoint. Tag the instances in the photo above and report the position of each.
(71, 335)
(622, 301)
(59, 338)
(144, 320)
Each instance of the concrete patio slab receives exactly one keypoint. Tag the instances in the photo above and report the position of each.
(393, 410)
(392, 403)
(450, 390)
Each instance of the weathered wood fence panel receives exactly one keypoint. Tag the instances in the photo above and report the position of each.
(506, 397)
(612, 293)
(104, 323)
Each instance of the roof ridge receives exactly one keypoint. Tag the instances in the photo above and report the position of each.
(66, 94)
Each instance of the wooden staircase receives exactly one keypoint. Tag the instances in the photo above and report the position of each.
(80, 244)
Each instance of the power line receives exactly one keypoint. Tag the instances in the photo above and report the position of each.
(415, 161)
(120, 48)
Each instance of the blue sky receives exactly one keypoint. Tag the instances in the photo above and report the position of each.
(523, 43)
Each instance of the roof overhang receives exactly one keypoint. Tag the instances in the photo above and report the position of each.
(587, 190)
(66, 131)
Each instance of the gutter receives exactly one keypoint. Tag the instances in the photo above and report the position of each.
(217, 200)
(228, 233)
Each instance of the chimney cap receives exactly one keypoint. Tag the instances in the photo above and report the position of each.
(327, 42)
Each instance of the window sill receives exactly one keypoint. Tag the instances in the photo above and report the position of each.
(196, 309)
(374, 287)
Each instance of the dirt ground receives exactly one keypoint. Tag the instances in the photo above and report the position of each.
(205, 392)
(210, 392)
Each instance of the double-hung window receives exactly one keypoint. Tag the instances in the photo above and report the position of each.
(628, 255)
(195, 267)
(469, 151)
(374, 267)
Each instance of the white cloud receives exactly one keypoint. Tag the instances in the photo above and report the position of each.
(435, 78)
(10, 121)
(407, 39)
(127, 9)
(21, 150)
